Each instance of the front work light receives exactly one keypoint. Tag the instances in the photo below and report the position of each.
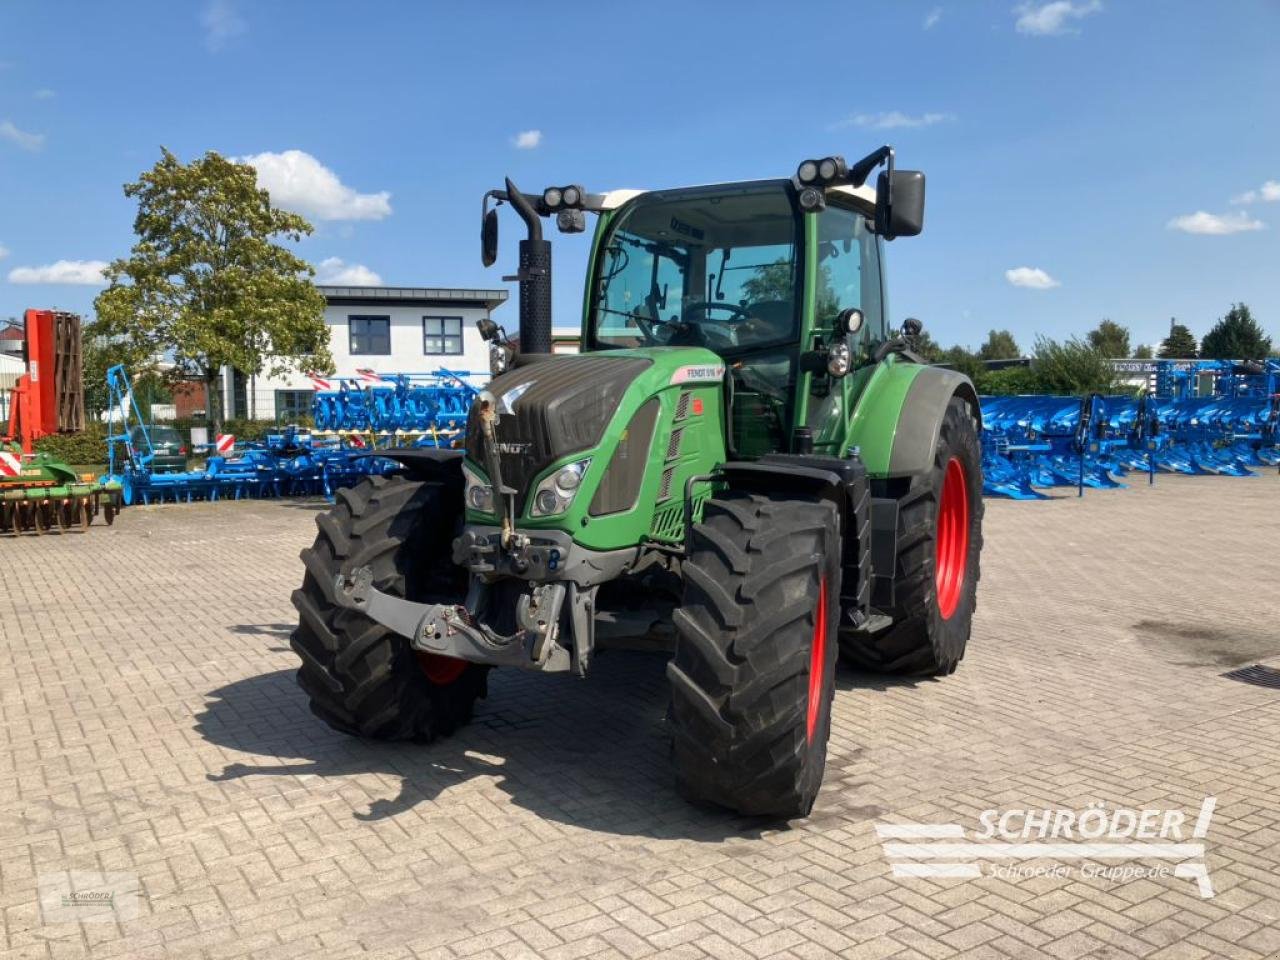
(478, 494)
(555, 494)
(563, 198)
(808, 171)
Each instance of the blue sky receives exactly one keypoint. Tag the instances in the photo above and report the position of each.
(1121, 158)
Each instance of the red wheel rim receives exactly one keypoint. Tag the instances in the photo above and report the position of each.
(953, 537)
(817, 660)
(441, 670)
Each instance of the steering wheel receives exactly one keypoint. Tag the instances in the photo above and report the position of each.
(702, 306)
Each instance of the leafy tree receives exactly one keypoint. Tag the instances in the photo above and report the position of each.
(928, 348)
(206, 280)
(1072, 366)
(964, 360)
(1237, 336)
(1180, 344)
(1110, 339)
(102, 350)
(1010, 381)
(1000, 345)
(1143, 352)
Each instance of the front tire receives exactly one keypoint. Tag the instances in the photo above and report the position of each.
(361, 678)
(754, 666)
(939, 548)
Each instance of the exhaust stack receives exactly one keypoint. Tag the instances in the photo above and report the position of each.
(534, 276)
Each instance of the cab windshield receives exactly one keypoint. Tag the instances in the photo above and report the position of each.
(716, 268)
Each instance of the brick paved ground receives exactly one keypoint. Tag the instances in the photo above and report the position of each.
(151, 726)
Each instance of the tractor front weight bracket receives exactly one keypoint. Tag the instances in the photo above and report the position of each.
(450, 630)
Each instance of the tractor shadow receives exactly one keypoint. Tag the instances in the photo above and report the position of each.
(591, 754)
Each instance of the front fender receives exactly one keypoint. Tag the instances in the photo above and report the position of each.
(899, 413)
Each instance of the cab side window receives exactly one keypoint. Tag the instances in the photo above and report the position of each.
(848, 271)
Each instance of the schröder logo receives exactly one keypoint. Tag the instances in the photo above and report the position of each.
(1095, 843)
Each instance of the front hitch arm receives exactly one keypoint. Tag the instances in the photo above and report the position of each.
(450, 630)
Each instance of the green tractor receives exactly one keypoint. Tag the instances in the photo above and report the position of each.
(745, 467)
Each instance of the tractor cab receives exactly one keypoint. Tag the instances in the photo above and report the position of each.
(739, 269)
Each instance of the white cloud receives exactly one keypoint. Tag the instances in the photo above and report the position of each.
(1215, 224)
(83, 272)
(334, 270)
(298, 181)
(221, 23)
(44, 93)
(4, 251)
(527, 139)
(1269, 192)
(1047, 19)
(25, 140)
(1033, 278)
(932, 18)
(894, 120)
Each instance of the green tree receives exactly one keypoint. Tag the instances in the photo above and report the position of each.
(928, 348)
(1110, 339)
(964, 360)
(1000, 345)
(1180, 344)
(1143, 352)
(1237, 336)
(1071, 366)
(207, 283)
(102, 350)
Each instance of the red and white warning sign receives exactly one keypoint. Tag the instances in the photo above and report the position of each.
(225, 442)
(319, 382)
(369, 376)
(10, 466)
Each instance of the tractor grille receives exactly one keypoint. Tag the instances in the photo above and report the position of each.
(551, 407)
(673, 445)
(668, 524)
(664, 491)
(682, 405)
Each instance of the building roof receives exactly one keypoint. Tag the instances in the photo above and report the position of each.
(414, 296)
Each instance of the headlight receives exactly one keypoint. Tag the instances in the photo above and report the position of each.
(478, 493)
(555, 493)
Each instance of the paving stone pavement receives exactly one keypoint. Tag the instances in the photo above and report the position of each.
(151, 727)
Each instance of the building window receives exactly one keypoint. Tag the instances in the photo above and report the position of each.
(442, 335)
(293, 405)
(370, 335)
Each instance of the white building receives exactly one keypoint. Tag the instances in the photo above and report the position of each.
(385, 329)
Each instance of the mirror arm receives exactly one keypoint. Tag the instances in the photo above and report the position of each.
(859, 172)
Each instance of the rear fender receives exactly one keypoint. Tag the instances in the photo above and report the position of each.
(898, 417)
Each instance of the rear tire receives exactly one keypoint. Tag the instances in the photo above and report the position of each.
(754, 667)
(361, 678)
(939, 548)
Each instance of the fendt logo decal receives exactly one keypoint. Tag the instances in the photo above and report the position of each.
(700, 373)
(517, 448)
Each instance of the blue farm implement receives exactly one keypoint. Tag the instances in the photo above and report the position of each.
(397, 409)
(291, 462)
(1035, 442)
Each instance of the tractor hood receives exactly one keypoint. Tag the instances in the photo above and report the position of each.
(568, 408)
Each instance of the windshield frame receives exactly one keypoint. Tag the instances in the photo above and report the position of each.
(618, 217)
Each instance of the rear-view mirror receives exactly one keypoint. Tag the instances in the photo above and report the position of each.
(489, 238)
(900, 211)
